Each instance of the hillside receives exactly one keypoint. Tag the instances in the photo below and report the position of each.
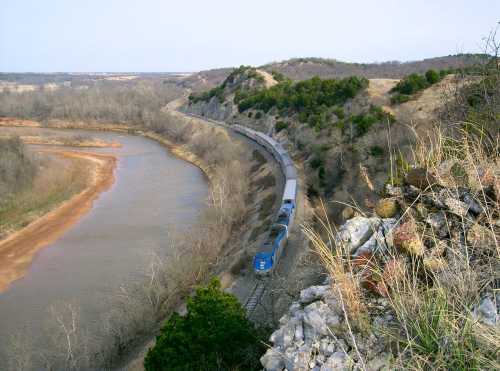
(338, 129)
(402, 175)
(305, 68)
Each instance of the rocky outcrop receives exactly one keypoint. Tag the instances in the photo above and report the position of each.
(313, 336)
(437, 225)
(213, 109)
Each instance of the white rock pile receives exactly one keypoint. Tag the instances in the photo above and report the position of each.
(314, 336)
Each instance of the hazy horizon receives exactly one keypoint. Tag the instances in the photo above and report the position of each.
(165, 36)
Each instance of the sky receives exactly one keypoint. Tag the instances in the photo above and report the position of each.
(193, 35)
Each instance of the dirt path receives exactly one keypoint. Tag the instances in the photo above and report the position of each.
(18, 250)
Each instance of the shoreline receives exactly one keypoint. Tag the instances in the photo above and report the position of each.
(18, 249)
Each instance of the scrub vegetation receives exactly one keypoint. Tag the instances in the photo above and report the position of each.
(414, 83)
(313, 100)
(433, 292)
(214, 335)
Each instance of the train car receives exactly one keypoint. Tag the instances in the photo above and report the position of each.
(267, 258)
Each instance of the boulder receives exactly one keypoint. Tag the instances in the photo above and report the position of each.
(272, 361)
(327, 347)
(313, 293)
(394, 191)
(487, 312)
(315, 324)
(369, 248)
(387, 208)
(302, 360)
(357, 231)
(438, 222)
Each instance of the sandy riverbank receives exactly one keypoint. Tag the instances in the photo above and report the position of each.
(18, 249)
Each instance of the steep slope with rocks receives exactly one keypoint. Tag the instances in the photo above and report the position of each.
(443, 229)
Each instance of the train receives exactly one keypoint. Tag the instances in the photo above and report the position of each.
(268, 255)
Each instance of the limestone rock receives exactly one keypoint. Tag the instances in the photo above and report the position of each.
(313, 293)
(394, 191)
(438, 223)
(336, 362)
(315, 316)
(357, 231)
(272, 360)
(387, 208)
(457, 207)
(301, 361)
(487, 312)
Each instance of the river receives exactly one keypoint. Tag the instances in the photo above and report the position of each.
(111, 245)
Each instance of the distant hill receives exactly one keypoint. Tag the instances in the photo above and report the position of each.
(305, 68)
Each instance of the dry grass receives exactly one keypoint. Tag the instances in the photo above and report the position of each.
(57, 180)
(336, 258)
(435, 328)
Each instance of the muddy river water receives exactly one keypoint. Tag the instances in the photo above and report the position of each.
(111, 246)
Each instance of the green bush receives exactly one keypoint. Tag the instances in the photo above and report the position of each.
(414, 83)
(280, 125)
(310, 99)
(214, 335)
(278, 76)
(432, 76)
(363, 122)
(258, 115)
(400, 98)
(316, 162)
(411, 84)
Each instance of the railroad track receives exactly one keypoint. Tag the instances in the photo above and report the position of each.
(254, 298)
(289, 173)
